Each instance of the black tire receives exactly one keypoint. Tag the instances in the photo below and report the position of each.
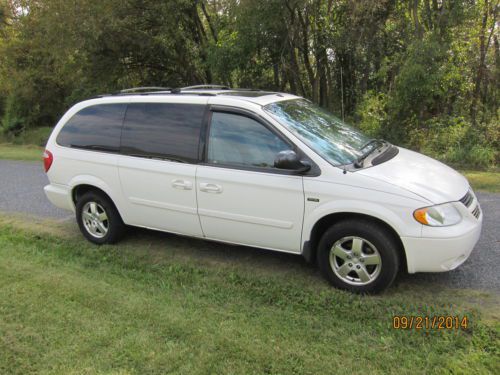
(115, 228)
(377, 246)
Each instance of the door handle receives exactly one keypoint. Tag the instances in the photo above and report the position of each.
(210, 188)
(182, 184)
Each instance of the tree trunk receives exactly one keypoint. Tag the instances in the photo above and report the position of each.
(428, 12)
(414, 12)
(201, 39)
(480, 68)
(209, 20)
(276, 76)
(305, 57)
(293, 73)
(496, 76)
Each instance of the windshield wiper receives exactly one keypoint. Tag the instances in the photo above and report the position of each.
(359, 161)
(370, 142)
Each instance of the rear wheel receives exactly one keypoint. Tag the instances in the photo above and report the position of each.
(359, 256)
(98, 218)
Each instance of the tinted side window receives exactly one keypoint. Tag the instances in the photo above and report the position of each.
(239, 140)
(97, 127)
(162, 130)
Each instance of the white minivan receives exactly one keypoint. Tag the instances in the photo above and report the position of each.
(263, 169)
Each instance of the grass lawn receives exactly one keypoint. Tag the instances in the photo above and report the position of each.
(486, 181)
(159, 303)
(21, 152)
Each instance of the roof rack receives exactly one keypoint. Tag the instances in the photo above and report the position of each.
(145, 89)
(188, 90)
(208, 86)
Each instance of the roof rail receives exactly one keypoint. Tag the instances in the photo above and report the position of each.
(201, 87)
(144, 89)
(155, 90)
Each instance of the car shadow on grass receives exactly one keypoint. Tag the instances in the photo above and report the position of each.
(164, 248)
(160, 247)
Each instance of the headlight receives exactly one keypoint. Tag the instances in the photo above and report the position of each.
(441, 215)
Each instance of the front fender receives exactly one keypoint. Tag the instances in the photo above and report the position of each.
(392, 215)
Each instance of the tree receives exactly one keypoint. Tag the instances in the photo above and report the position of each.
(412, 71)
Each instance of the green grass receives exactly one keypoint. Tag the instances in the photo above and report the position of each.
(484, 180)
(27, 146)
(20, 152)
(160, 303)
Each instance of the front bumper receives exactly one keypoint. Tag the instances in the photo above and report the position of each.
(424, 254)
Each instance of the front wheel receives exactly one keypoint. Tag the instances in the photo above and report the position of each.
(359, 256)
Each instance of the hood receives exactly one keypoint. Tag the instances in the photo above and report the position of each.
(421, 175)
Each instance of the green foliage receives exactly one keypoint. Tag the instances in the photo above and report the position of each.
(456, 141)
(417, 73)
(372, 113)
(12, 121)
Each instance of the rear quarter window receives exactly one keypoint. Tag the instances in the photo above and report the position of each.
(97, 127)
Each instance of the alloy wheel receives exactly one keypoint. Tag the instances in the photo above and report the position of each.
(95, 219)
(355, 260)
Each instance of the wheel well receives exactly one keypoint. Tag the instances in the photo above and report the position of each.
(80, 190)
(326, 222)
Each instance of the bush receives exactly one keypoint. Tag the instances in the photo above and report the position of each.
(452, 139)
(12, 120)
(372, 113)
(455, 140)
(37, 136)
(477, 156)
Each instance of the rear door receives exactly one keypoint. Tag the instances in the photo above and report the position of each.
(157, 168)
(242, 198)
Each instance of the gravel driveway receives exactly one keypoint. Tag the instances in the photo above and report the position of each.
(21, 190)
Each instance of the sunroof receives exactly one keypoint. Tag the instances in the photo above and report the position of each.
(247, 93)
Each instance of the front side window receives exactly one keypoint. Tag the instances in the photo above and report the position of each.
(241, 141)
(163, 130)
(326, 134)
(95, 128)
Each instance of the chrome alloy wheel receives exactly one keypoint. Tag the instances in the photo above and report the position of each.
(355, 260)
(95, 219)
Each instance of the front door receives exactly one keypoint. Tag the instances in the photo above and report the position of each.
(242, 198)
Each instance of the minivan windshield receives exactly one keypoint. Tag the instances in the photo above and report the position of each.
(326, 134)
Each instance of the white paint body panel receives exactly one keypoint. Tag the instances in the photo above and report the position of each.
(421, 175)
(252, 208)
(267, 210)
(438, 252)
(154, 195)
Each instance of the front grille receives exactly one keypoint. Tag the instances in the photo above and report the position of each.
(467, 199)
(476, 212)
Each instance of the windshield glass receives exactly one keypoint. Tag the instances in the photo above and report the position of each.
(326, 134)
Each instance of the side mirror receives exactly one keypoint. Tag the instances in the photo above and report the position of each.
(290, 160)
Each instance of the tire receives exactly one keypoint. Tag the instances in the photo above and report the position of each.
(98, 219)
(358, 256)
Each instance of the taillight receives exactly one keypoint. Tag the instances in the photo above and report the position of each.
(47, 160)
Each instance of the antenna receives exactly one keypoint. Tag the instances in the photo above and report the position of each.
(342, 91)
